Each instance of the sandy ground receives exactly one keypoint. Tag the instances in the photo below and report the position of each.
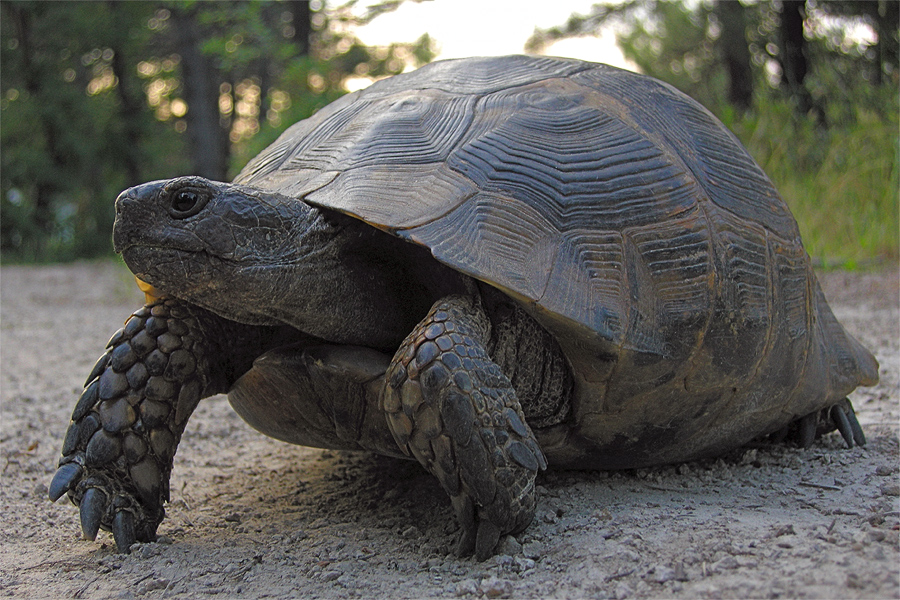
(251, 517)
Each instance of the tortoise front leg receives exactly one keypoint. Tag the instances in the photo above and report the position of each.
(118, 450)
(449, 405)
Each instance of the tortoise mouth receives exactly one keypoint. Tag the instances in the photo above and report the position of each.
(154, 264)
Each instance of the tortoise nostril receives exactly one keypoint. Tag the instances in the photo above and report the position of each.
(186, 203)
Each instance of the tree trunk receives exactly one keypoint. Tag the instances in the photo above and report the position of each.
(735, 52)
(45, 186)
(888, 29)
(302, 23)
(794, 66)
(209, 142)
(130, 111)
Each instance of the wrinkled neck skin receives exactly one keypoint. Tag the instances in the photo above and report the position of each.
(261, 258)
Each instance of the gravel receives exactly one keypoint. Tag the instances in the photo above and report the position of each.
(251, 517)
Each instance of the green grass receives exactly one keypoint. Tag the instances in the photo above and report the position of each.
(840, 182)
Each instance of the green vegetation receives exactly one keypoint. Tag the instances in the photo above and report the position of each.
(99, 96)
(841, 183)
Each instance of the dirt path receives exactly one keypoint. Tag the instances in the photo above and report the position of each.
(251, 517)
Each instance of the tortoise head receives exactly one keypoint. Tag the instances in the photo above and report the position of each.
(222, 246)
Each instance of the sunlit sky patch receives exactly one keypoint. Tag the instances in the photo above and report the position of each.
(488, 28)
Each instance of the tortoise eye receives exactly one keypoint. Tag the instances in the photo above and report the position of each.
(187, 202)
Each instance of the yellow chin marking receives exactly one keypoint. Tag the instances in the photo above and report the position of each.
(151, 294)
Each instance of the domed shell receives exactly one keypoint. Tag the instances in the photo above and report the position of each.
(619, 212)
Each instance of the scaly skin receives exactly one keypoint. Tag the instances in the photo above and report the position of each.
(118, 451)
(454, 410)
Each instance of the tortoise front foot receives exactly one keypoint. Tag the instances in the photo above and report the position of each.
(454, 410)
(118, 450)
(805, 430)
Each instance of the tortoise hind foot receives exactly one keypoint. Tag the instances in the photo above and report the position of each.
(118, 450)
(844, 418)
(805, 430)
(454, 410)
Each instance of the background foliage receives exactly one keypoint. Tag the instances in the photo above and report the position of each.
(99, 96)
(95, 97)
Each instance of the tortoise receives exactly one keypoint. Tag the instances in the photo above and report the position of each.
(490, 265)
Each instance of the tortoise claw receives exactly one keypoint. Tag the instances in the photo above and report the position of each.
(808, 430)
(465, 514)
(98, 369)
(92, 507)
(839, 417)
(486, 540)
(844, 418)
(123, 531)
(858, 436)
(65, 479)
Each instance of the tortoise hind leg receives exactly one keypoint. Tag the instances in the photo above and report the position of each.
(454, 410)
(805, 430)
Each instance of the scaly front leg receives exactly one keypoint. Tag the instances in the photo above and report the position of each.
(449, 405)
(118, 451)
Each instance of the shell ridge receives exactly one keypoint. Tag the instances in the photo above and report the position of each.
(690, 129)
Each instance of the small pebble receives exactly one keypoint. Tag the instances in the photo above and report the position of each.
(145, 551)
(662, 574)
(503, 560)
(524, 564)
(890, 489)
(331, 575)
(533, 550)
(509, 545)
(148, 585)
(549, 516)
(113, 561)
(884, 470)
(729, 562)
(467, 587)
(410, 533)
(622, 591)
(497, 588)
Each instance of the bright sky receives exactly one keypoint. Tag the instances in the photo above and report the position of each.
(489, 28)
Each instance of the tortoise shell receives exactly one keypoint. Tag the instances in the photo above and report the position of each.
(619, 213)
